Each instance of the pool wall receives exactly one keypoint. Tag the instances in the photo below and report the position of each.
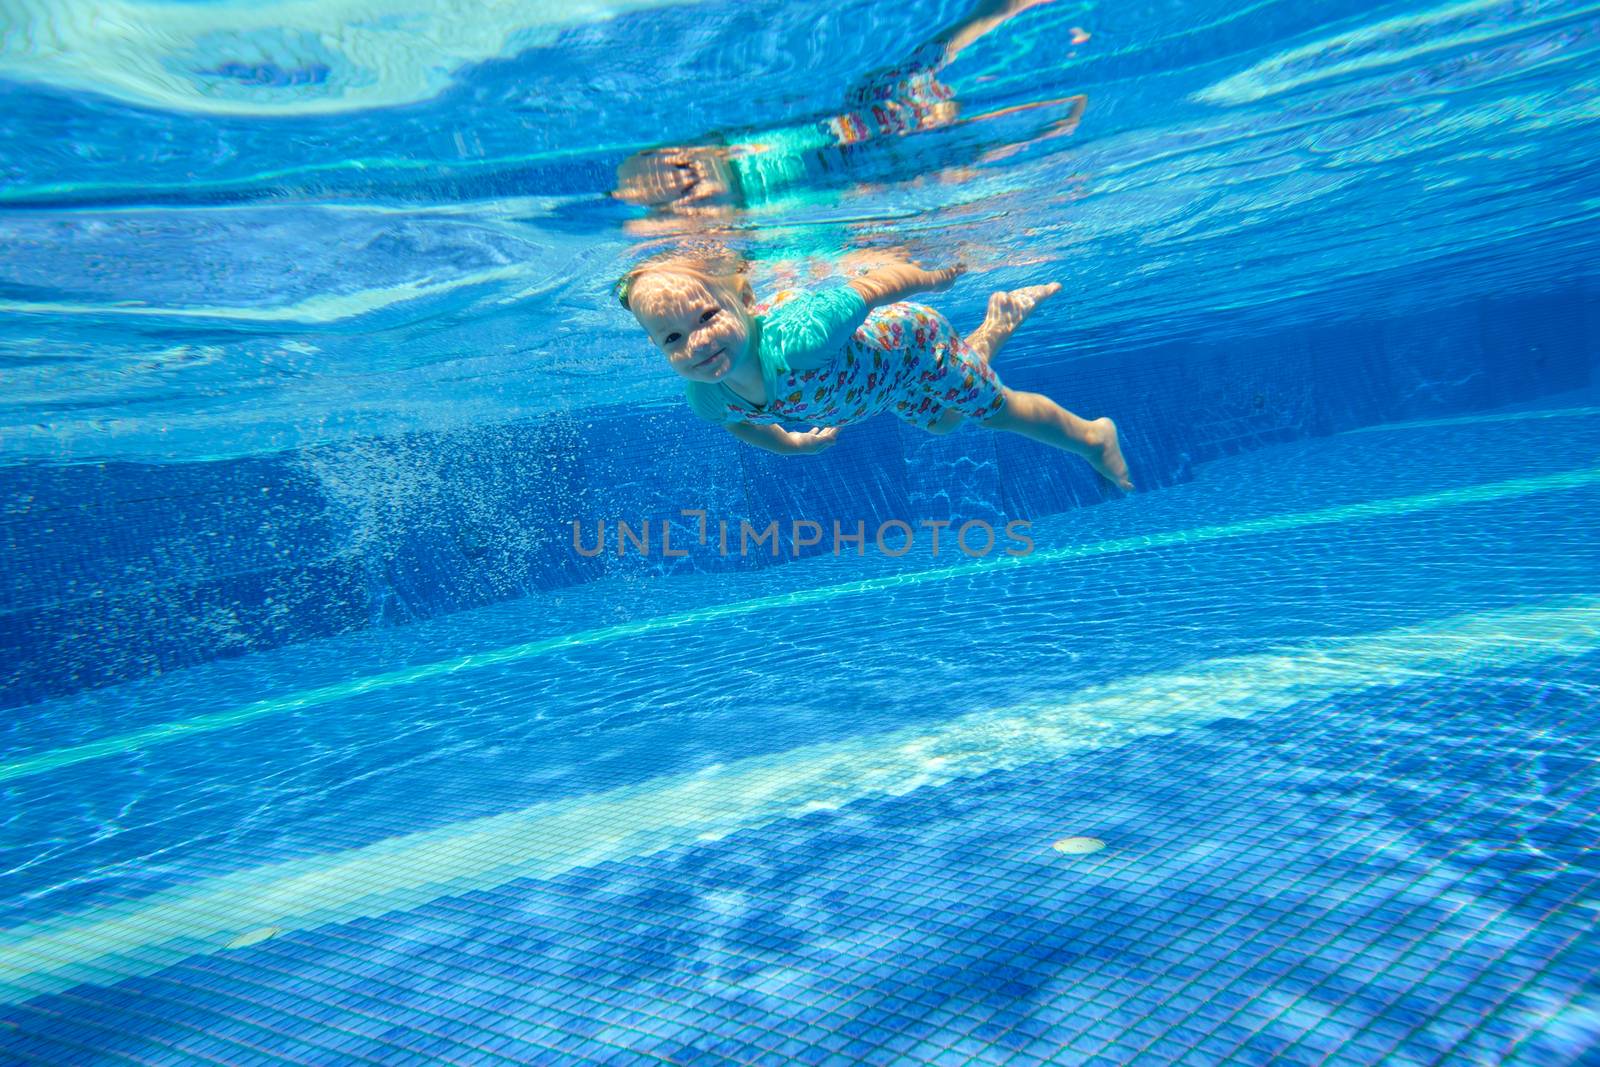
(120, 570)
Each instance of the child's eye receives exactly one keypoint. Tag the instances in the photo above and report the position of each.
(708, 316)
(672, 337)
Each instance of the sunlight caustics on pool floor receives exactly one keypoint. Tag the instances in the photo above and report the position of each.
(1369, 844)
(549, 839)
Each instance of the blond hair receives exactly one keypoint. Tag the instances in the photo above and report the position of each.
(712, 265)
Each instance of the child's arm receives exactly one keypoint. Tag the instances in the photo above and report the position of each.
(895, 282)
(808, 331)
(784, 442)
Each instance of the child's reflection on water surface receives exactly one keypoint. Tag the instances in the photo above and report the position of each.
(701, 187)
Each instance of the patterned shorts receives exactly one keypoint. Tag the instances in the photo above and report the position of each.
(906, 359)
(897, 100)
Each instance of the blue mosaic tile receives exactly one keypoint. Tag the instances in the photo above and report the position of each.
(1307, 884)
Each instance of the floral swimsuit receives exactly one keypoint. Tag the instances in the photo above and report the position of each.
(906, 359)
(897, 100)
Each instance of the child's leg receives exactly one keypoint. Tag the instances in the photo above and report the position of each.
(987, 15)
(1037, 416)
(948, 422)
(1006, 312)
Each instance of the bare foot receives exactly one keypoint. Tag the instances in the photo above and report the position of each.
(1012, 307)
(1007, 310)
(1109, 462)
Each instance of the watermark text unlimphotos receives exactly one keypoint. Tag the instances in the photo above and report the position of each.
(894, 537)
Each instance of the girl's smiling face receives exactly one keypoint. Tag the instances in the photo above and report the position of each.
(701, 325)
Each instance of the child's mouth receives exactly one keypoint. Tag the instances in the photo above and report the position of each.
(709, 358)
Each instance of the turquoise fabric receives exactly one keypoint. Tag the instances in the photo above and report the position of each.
(799, 334)
(772, 161)
(705, 398)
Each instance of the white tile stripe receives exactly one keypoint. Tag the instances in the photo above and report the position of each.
(164, 733)
(547, 839)
(1478, 420)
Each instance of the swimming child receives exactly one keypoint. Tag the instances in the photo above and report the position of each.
(714, 182)
(832, 357)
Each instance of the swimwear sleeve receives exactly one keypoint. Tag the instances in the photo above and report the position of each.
(705, 402)
(805, 332)
(769, 162)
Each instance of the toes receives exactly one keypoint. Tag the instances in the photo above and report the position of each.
(1026, 298)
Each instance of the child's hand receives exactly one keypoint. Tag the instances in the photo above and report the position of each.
(703, 174)
(816, 439)
(943, 278)
(897, 281)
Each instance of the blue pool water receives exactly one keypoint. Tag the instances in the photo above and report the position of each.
(1338, 742)
(321, 741)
